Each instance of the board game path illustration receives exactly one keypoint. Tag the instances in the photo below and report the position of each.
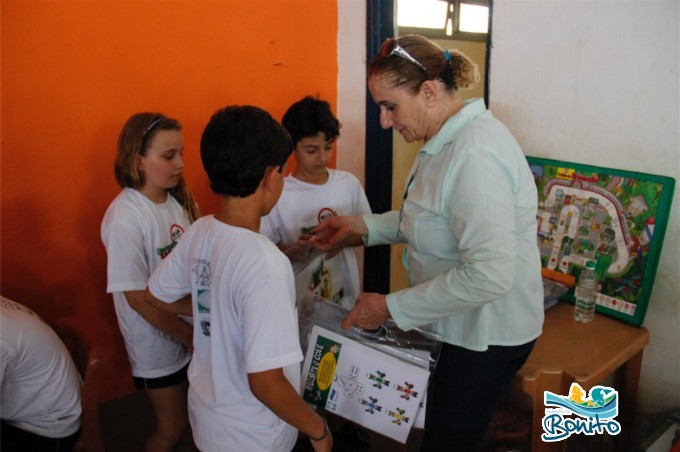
(613, 217)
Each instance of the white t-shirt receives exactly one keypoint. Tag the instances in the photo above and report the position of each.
(301, 207)
(40, 385)
(138, 234)
(245, 321)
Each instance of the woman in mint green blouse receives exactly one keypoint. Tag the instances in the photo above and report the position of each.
(469, 221)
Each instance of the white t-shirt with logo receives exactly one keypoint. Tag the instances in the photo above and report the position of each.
(301, 207)
(138, 234)
(245, 321)
(40, 385)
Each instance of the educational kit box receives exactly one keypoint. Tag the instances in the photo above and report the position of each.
(614, 217)
(364, 385)
(375, 378)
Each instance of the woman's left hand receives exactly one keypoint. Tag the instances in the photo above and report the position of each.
(370, 311)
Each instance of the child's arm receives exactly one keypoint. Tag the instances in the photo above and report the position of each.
(165, 321)
(179, 307)
(273, 389)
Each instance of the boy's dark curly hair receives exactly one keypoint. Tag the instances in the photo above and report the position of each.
(309, 116)
(238, 144)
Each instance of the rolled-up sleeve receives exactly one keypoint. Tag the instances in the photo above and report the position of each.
(383, 229)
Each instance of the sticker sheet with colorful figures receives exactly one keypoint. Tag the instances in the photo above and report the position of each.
(371, 388)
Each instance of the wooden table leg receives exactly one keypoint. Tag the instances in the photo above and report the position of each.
(552, 382)
(628, 381)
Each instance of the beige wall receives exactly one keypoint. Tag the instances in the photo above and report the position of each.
(403, 154)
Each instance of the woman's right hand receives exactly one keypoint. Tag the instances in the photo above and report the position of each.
(339, 231)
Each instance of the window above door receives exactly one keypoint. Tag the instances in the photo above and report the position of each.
(464, 20)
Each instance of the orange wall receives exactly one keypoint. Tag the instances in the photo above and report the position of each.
(73, 72)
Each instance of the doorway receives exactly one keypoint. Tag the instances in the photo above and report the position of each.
(388, 156)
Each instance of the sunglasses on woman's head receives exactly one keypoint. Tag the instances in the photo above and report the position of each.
(391, 47)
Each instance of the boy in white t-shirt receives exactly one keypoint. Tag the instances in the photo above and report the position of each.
(312, 193)
(245, 372)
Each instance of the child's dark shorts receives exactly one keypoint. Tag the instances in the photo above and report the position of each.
(174, 379)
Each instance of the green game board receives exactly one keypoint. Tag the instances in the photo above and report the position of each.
(614, 217)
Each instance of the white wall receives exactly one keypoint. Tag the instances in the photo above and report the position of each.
(597, 82)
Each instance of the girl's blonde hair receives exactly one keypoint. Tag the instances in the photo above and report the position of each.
(138, 132)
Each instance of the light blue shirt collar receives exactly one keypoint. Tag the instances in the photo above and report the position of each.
(472, 109)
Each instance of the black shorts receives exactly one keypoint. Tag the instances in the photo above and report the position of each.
(14, 439)
(175, 379)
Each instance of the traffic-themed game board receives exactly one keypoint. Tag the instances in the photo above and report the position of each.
(359, 383)
(613, 217)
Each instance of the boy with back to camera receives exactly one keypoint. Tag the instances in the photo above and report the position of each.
(312, 193)
(245, 372)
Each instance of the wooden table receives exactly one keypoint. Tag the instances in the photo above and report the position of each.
(569, 351)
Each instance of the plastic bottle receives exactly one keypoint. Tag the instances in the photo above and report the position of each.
(586, 294)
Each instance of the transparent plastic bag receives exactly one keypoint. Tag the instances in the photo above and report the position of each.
(552, 291)
(377, 379)
(418, 347)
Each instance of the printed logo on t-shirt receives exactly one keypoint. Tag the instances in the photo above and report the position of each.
(321, 284)
(205, 327)
(324, 214)
(201, 271)
(163, 252)
(13, 305)
(176, 232)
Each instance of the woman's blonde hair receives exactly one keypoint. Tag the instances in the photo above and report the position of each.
(138, 132)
